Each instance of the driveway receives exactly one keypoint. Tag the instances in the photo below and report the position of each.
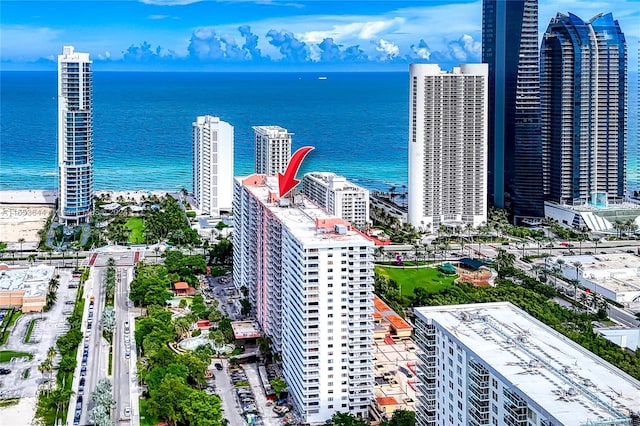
(227, 394)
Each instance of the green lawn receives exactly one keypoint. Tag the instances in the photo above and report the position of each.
(136, 225)
(6, 356)
(430, 279)
(145, 419)
(30, 330)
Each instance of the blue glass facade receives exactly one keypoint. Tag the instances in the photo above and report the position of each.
(510, 47)
(75, 137)
(584, 103)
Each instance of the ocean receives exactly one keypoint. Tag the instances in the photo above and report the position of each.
(357, 123)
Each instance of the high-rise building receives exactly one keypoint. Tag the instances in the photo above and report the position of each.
(338, 196)
(584, 105)
(510, 47)
(212, 165)
(494, 364)
(273, 149)
(75, 137)
(309, 276)
(447, 146)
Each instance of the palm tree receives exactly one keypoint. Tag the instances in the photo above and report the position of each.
(21, 240)
(504, 260)
(51, 353)
(584, 301)
(31, 258)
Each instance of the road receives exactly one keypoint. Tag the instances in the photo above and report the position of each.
(97, 358)
(122, 347)
(616, 314)
(226, 391)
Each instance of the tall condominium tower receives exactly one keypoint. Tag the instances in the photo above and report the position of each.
(584, 105)
(338, 196)
(310, 279)
(447, 146)
(273, 149)
(510, 47)
(75, 137)
(212, 164)
(494, 364)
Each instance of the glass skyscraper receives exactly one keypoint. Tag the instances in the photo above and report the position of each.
(584, 103)
(75, 137)
(510, 47)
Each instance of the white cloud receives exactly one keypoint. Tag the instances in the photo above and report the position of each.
(161, 17)
(23, 42)
(366, 30)
(387, 49)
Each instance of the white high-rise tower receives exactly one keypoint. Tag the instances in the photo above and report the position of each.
(309, 277)
(75, 137)
(273, 149)
(448, 146)
(212, 164)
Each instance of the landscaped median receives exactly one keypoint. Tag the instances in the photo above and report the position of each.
(7, 356)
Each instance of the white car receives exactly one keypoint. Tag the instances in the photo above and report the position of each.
(127, 412)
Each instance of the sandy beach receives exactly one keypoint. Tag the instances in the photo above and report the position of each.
(22, 222)
(21, 414)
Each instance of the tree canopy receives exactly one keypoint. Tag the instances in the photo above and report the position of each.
(149, 287)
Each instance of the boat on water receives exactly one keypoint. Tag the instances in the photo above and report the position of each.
(322, 78)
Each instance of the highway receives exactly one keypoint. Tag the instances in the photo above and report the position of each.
(97, 357)
(122, 347)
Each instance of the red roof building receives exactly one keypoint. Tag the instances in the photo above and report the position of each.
(181, 288)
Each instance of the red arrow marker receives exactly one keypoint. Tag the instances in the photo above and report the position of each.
(288, 181)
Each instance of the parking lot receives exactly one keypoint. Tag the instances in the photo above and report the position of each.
(223, 290)
(47, 328)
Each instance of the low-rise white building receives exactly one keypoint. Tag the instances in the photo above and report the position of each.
(597, 218)
(338, 196)
(616, 276)
(494, 364)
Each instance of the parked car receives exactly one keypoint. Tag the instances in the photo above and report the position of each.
(4, 371)
(127, 412)
(218, 366)
(83, 371)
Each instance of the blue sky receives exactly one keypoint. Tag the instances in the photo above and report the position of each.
(266, 34)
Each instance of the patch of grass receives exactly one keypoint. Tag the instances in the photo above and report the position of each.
(110, 360)
(14, 318)
(136, 225)
(146, 419)
(430, 279)
(27, 337)
(6, 356)
(9, 402)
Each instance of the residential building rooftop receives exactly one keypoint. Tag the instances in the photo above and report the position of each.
(563, 378)
(305, 220)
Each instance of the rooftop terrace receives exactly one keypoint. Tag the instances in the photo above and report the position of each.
(304, 219)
